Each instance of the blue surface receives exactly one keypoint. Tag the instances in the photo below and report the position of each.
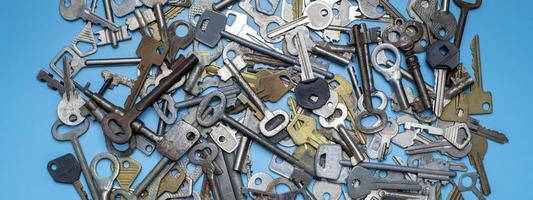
(33, 32)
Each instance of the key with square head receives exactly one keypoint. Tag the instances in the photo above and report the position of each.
(443, 24)
(463, 185)
(66, 169)
(443, 56)
(476, 156)
(317, 16)
(104, 184)
(152, 52)
(77, 9)
(207, 164)
(479, 101)
(278, 118)
(452, 133)
(465, 8)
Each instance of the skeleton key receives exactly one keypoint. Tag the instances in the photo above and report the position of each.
(443, 24)
(151, 52)
(172, 181)
(69, 108)
(476, 156)
(465, 8)
(66, 169)
(479, 101)
(207, 164)
(317, 16)
(77, 9)
(48, 78)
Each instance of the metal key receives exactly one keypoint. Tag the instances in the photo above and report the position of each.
(476, 156)
(77, 9)
(479, 101)
(391, 74)
(104, 184)
(465, 8)
(313, 47)
(443, 24)
(207, 164)
(361, 181)
(444, 57)
(66, 169)
(317, 16)
(386, 136)
(73, 137)
(69, 108)
(452, 134)
(472, 186)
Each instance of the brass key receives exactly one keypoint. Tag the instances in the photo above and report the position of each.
(457, 110)
(128, 172)
(302, 130)
(172, 181)
(479, 101)
(476, 156)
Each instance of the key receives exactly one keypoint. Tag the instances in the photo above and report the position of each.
(128, 171)
(479, 101)
(391, 74)
(278, 117)
(207, 164)
(443, 24)
(86, 36)
(151, 52)
(452, 134)
(66, 169)
(476, 157)
(104, 184)
(212, 29)
(457, 109)
(386, 136)
(408, 137)
(442, 146)
(465, 8)
(472, 186)
(313, 47)
(369, 8)
(172, 181)
(273, 87)
(361, 182)
(392, 11)
(302, 130)
(70, 105)
(312, 92)
(493, 135)
(443, 57)
(125, 121)
(73, 137)
(77, 9)
(208, 117)
(317, 16)
(262, 20)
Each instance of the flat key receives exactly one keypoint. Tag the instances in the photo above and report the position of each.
(128, 171)
(77, 9)
(479, 101)
(172, 181)
(317, 16)
(443, 57)
(361, 181)
(476, 156)
(470, 187)
(443, 24)
(152, 52)
(66, 169)
(452, 133)
(465, 8)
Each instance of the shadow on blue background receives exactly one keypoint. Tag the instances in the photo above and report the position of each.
(33, 32)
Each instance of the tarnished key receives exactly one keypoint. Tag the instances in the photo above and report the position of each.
(66, 169)
(451, 133)
(465, 8)
(464, 186)
(207, 165)
(479, 101)
(172, 181)
(476, 156)
(77, 9)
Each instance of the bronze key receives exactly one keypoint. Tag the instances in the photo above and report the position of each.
(476, 156)
(479, 101)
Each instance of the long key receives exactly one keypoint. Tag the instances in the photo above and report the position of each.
(443, 24)
(451, 133)
(77, 9)
(476, 156)
(151, 52)
(479, 101)
(465, 8)
(443, 57)
(66, 169)
(73, 137)
(317, 16)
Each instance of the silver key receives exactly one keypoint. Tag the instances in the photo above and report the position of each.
(262, 21)
(408, 137)
(361, 181)
(392, 74)
(451, 134)
(105, 184)
(317, 16)
(77, 9)
(321, 188)
(69, 109)
(386, 136)
(472, 187)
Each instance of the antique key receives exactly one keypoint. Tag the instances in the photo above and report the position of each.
(207, 165)
(476, 156)
(479, 101)
(465, 8)
(66, 169)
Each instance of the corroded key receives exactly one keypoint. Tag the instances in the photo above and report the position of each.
(128, 171)
(172, 181)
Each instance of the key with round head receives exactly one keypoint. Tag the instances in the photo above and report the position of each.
(392, 74)
(104, 184)
(66, 169)
(443, 24)
(465, 8)
(77, 9)
(317, 16)
(443, 56)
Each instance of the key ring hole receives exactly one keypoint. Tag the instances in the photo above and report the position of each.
(182, 30)
(486, 106)
(467, 181)
(324, 12)
(53, 166)
(355, 183)
(103, 167)
(126, 164)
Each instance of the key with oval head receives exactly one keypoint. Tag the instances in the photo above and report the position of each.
(317, 16)
(443, 56)
(391, 74)
(73, 137)
(465, 8)
(66, 169)
(443, 24)
(463, 186)
(77, 9)
(207, 164)
(277, 119)
(104, 184)
(312, 92)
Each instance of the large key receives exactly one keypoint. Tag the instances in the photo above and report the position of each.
(151, 52)
(443, 56)
(66, 169)
(77, 9)
(443, 24)
(479, 101)
(312, 92)
(465, 8)
(317, 16)
(476, 156)
(452, 134)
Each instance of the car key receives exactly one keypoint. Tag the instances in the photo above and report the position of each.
(66, 169)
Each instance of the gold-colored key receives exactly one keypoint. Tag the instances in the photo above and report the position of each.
(272, 88)
(305, 153)
(457, 109)
(302, 130)
(476, 156)
(128, 172)
(455, 194)
(244, 100)
(479, 101)
(438, 192)
(172, 181)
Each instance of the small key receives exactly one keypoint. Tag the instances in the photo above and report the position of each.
(493, 135)
(444, 57)
(472, 186)
(104, 184)
(465, 8)
(172, 181)
(317, 16)
(207, 164)
(451, 133)
(77, 9)
(476, 156)
(386, 136)
(66, 169)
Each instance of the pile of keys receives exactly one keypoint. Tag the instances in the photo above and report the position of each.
(333, 142)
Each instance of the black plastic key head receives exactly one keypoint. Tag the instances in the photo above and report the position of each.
(65, 169)
(443, 55)
(209, 27)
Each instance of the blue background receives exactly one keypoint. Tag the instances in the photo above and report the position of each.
(33, 32)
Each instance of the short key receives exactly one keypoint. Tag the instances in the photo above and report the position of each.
(443, 56)
(386, 136)
(207, 165)
(361, 181)
(451, 133)
(465, 8)
(77, 9)
(317, 16)
(312, 92)
(66, 169)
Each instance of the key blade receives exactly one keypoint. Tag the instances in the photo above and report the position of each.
(79, 189)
